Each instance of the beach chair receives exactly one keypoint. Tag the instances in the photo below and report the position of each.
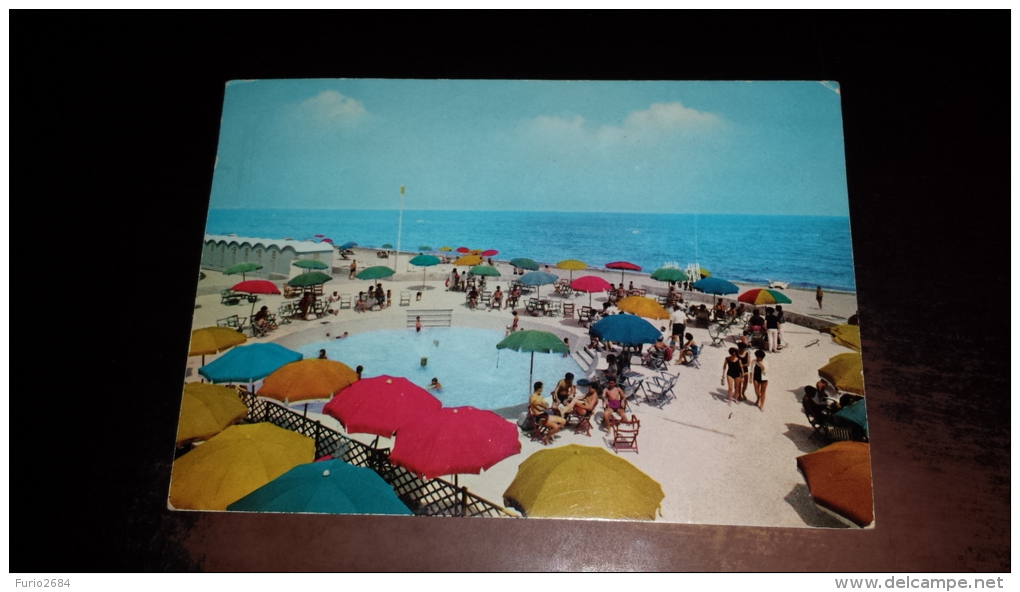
(584, 316)
(568, 310)
(718, 334)
(486, 298)
(539, 429)
(702, 318)
(581, 423)
(695, 354)
(625, 434)
(631, 386)
(405, 298)
(533, 306)
(345, 301)
(233, 321)
(659, 389)
(229, 298)
(657, 360)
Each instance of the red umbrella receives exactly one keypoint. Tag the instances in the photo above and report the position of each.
(256, 287)
(380, 405)
(623, 265)
(489, 253)
(454, 440)
(463, 250)
(589, 284)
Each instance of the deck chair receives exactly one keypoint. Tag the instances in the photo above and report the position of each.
(568, 310)
(702, 318)
(625, 434)
(657, 360)
(631, 387)
(581, 423)
(405, 298)
(659, 389)
(539, 429)
(485, 299)
(229, 298)
(718, 334)
(584, 316)
(258, 330)
(345, 301)
(532, 306)
(695, 354)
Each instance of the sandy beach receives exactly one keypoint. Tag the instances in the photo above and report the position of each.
(717, 464)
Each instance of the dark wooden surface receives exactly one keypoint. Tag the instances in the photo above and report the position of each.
(123, 132)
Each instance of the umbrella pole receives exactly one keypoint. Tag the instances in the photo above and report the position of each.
(531, 371)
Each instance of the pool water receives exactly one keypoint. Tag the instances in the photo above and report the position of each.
(466, 362)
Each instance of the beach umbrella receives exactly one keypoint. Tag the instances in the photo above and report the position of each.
(264, 287)
(476, 252)
(309, 278)
(424, 261)
(328, 487)
(855, 415)
(213, 340)
(454, 440)
(572, 265)
(327, 240)
(310, 264)
(642, 307)
(249, 363)
(234, 463)
(469, 260)
(348, 245)
(537, 278)
(445, 249)
(463, 250)
(387, 246)
(589, 284)
(485, 270)
(845, 372)
(489, 253)
(759, 296)
(704, 273)
(375, 273)
(625, 329)
(380, 405)
(846, 335)
(424, 248)
(716, 286)
(623, 266)
(839, 479)
(242, 268)
(319, 235)
(524, 263)
(307, 379)
(533, 341)
(206, 409)
(582, 482)
(669, 274)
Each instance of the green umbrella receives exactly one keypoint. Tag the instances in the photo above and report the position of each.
(424, 261)
(524, 263)
(310, 264)
(669, 274)
(387, 246)
(424, 248)
(309, 278)
(242, 268)
(374, 273)
(533, 341)
(486, 270)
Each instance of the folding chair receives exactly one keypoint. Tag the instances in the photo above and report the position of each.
(568, 310)
(625, 434)
(345, 301)
(660, 390)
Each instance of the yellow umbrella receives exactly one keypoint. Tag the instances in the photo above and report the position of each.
(845, 372)
(572, 265)
(445, 249)
(642, 307)
(582, 482)
(471, 260)
(206, 409)
(307, 379)
(234, 463)
(213, 340)
(847, 336)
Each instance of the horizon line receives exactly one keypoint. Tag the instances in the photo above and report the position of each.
(847, 215)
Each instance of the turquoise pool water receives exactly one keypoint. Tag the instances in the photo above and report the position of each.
(466, 362)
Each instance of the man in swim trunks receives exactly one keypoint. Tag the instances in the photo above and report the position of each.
(616, 402)
(539, 411)
(565, 390)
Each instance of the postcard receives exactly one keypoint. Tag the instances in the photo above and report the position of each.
(526, 299)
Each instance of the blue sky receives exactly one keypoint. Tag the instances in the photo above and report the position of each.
(674, 147)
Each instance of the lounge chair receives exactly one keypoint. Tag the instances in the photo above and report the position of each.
(405, 298)
(345, 301)
(233, 321)
(229, 297)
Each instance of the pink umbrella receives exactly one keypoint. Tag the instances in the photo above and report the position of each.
(463, 250)
(489, 253)
(623, 265)
(327, 240)
(454, 440)
(256, 287)
(380, 405)
(589, 284)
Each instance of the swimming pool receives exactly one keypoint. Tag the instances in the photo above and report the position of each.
(466, 362)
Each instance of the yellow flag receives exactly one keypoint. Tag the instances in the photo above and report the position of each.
(401, 190)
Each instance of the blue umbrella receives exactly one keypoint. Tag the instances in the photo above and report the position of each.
(348, 245)
(855, 415)
(625, 329)
(328, 487)
(537, 278)
(248, 363)
(714, 285)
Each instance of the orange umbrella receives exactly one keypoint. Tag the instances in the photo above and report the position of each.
(839, 478)
(470, 260)
(642, 307)
(307, 379)
(206, 409)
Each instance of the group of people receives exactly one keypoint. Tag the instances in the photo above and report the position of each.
(374, 297)
(738, 370)
(566, 401)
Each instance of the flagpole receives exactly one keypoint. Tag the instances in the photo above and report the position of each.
(400, 222)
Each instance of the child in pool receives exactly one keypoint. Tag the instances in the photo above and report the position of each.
(435, 386)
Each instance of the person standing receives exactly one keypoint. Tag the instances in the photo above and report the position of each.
(354, 269)
(744, 355)
(772, 326)
(677, 320)
(818, 297)
(761, 378)
(417, 324)
(731, 375)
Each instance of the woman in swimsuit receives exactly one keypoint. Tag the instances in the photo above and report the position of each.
(731, 375)
(745, 369)
(761, 378)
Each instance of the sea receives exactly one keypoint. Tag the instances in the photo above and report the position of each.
(804, 251)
